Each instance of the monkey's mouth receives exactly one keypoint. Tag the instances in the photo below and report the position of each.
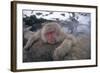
(52, 42)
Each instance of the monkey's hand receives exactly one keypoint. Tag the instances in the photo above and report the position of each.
(62, 50)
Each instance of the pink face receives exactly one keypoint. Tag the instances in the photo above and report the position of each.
(50, 36)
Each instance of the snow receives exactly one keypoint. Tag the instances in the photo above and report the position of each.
(84, 20)
(52, 16)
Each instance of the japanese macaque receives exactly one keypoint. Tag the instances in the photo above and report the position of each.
(70, 47)
(51, 33)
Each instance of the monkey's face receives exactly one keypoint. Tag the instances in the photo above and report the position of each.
(51, 37)
(50, 33)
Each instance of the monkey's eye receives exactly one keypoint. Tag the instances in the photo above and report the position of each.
(51, 32)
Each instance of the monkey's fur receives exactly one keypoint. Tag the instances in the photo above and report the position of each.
(80, 50)
(66, 46)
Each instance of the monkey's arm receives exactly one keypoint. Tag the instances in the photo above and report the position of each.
(62, 50)
(32, 39)
(71, 37)
(65, 47)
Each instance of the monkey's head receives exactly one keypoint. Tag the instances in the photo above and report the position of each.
(50, 32)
